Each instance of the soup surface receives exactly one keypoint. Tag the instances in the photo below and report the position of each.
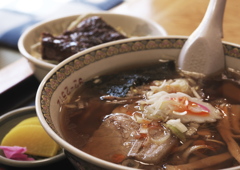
(157, 117)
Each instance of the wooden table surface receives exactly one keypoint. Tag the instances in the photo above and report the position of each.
(181, 17)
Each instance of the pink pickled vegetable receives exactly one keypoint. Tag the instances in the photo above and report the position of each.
(16, 153)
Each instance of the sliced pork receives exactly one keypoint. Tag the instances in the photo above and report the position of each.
(158, 145)
(113, 139)
(118, 138)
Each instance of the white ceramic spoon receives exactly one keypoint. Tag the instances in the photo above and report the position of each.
(203, 51)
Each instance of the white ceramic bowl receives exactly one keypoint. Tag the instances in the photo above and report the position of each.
(7, 122)
(62, 80)
(131, 25)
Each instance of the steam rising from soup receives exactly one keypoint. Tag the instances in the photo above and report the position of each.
(157, 117)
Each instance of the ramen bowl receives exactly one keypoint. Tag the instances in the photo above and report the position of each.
(61, 82)
(131, 25)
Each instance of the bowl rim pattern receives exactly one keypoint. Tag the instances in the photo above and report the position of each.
(106, 50)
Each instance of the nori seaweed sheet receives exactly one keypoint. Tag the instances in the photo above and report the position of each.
(119, 84)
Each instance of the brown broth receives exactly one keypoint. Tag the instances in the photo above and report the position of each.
(78, 125)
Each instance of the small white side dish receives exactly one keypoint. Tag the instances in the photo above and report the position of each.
(7, 122)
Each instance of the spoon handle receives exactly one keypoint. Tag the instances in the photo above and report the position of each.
(213, 18)
(203, 51)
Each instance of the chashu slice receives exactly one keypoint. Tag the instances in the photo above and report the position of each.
(115, 138)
